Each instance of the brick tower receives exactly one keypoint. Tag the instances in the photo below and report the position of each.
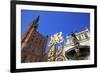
(33, 44)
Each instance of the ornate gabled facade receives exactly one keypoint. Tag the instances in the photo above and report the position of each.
(77, 46)
(33, 44)
(55, 52)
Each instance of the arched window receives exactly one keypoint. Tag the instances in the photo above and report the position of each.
(83, 36)
(86, 36)
(33, 49)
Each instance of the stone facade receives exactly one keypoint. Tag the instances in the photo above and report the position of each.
(82, 37)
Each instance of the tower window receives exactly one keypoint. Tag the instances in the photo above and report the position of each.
(33, 49)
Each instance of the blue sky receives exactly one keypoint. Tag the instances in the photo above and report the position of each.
(53, 22)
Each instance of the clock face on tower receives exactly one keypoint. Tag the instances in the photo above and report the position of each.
(55, 54)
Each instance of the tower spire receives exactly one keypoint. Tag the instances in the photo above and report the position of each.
(35, 22)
